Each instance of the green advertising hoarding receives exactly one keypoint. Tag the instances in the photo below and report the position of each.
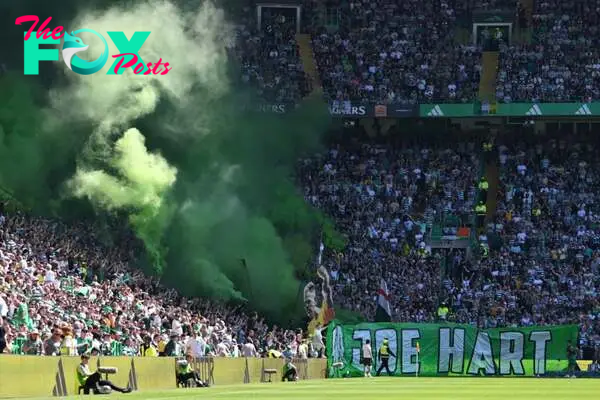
(451, 349)
(510, 110)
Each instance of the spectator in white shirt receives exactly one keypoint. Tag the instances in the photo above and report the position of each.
(248, 350)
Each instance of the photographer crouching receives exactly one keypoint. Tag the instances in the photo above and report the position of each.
(93, 381)
(290, 372)
(185, 372)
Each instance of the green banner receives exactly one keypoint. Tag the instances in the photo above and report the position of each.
(510, 110)
(451, 349)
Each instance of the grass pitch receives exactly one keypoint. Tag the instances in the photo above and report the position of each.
(388, 388)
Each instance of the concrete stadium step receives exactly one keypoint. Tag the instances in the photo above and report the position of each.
(527, 6)
(308, 60)
(321, 13)
(462, 35)
(487, 82)
(492, 175)
(523, 34)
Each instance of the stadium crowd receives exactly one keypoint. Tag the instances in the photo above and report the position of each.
(561, 63)
(58, 295)
(387, 52)
(63, 293)
(374, 191)
(544, 258)
(548, 222)
(544, 241)
(268, 55)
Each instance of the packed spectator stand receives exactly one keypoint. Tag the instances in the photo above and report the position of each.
(268, 55)
(543, 266)
(559, 62)
(387, 52)
(373, 191)
(548, 220)
(61, 292)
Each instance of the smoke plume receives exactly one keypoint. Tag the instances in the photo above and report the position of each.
(204, 183)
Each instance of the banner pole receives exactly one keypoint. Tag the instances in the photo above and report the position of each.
(418, 354)
(417, 371)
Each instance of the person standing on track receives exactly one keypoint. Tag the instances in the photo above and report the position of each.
(572, 357)
(367, 357)
(384, 357)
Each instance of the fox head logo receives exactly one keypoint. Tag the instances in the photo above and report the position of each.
(73, 45)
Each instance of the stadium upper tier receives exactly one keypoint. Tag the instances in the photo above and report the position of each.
(383, 51)
(268, 56)
(561, 62)
(388, 51)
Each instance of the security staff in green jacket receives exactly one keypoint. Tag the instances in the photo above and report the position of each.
(481, 208)
(481, 211)
(384, 357)
(289, 372)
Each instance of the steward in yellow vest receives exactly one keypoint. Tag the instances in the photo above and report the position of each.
(481, 208)
(184, 372)
(485, 250)
(442, 312)
(384, 357)
(483, 184)
(93, 381)
(147, 349)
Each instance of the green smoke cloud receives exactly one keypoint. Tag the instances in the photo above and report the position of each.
(205, 184)
(141, 182)
(139, 185)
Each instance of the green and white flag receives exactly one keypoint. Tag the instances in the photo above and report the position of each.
(21, 317)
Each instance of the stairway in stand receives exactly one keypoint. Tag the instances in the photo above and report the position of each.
(308, 61)
(522, 34)
(527, 6)
(489, 72)
(492, 175)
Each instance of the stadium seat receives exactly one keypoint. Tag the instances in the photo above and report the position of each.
(269, 372)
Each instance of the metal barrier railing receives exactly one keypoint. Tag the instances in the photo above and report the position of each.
(205, 367)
